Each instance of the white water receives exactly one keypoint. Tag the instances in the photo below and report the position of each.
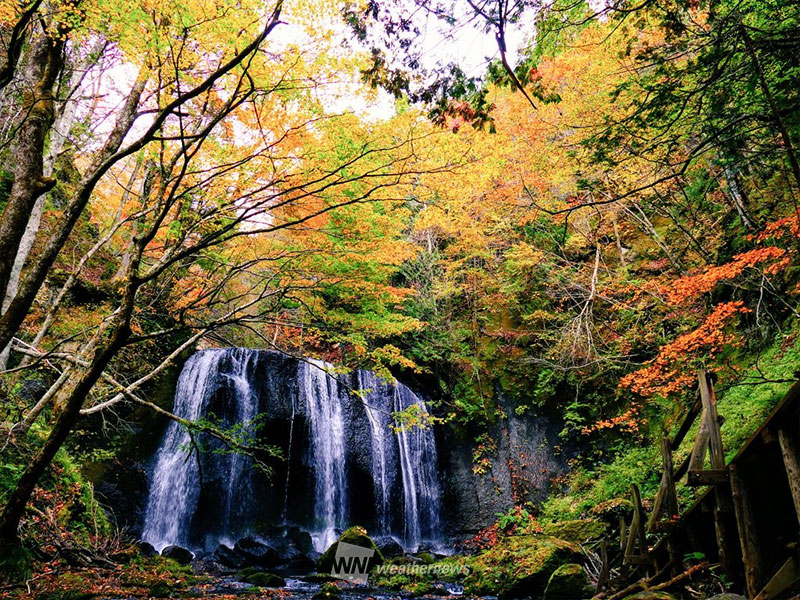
(379, 423)
(404, 458)
(176, 477)
(414, 448)
(321, 393)
(421, 492)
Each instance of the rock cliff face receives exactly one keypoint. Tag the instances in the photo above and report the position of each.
(345, 461)
(525, 459)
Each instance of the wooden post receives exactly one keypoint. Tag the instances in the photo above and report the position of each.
(623, 534)
(602, 578)
(637, 531)
(637, 506)
(787, 576)
(722, 531)
(747, 534)
(709, 400)
(630, 542)
(666, 500)
(708, 436)
(671, 496)
(698, 456)
(792, 465)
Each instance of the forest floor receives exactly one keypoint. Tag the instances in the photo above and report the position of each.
(125, 582)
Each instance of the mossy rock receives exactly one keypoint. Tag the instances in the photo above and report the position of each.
(519, 566)
(578, 531)
(357, 536)
(418, 588)
(260, 578)
(426, 558)
(650, 596)
(567, 582)
(246, 572)
(329, 591)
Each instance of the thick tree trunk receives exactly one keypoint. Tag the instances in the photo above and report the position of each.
(110, 154)
(43, 66)
(71, 400)
(58, 136)
(32, 281)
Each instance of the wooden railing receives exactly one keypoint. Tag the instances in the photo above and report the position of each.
(738, 547)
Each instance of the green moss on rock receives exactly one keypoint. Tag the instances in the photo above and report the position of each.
(262, 578)
(568, 581)
(519, 566)
(578, 531)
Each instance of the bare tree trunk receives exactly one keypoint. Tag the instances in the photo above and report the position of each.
(13, 316)
(71, 399)
(144, 195)
(58, 137)
(44, 62)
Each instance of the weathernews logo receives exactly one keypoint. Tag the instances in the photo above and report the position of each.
(352, 562)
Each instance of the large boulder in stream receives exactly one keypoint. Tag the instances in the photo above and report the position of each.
(180, 555)
(301, 539)
(256, 552)
(389, 547)
(357, 536)
(228, 557)
(519, 566)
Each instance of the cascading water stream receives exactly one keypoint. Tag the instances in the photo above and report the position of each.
(175, 484)
(379, 422)
(322, 398)
(421, 492)
(240, 489)
(198, 499)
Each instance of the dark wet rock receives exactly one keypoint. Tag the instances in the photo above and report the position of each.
(567, 582)
(180, 555)
(300, 539)
(228, 557)
(146, 549)
(303, 562)
(472, 502)
(389, 546)
(257, 553)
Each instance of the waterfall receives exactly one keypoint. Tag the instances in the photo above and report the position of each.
(421, 492)
(176, 479)
(414, 450)
(201, 494)
(379, 423)
(321, 394)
